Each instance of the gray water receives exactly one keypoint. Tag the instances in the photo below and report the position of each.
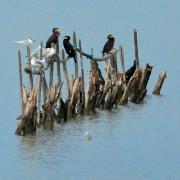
(133, 142)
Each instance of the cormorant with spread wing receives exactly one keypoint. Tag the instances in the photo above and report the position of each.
(109, 44)
(69, 48)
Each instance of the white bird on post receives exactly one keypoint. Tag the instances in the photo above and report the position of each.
(26, 42)
(49, 52)
(37, 63)
(46, 52)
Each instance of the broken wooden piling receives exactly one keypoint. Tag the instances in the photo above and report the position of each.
(136, 49)
(160, 81)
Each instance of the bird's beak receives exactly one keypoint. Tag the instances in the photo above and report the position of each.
(33, 40)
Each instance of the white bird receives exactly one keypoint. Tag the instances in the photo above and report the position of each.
(49, 52)
(46, 53)
(87, 136)
(26, 42)
(37, 63)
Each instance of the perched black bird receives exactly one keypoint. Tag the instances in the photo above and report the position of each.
(109, 44)
(69, 48)
(53, 38)
(129, 73)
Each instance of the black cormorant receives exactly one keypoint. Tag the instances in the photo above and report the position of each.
(69, 48)
(109, 44)
(53, 38)
(130, 71)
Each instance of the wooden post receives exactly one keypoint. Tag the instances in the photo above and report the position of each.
(115, 58)
(162, 77)
(122, 63)
(39, 102)
(58, 64)
(39, 90)
(65, 73)
(136, 48)
(124, 98)
(51, 69)
(75, 47)
(29, 64)
(144, 81)
(20, 81)
(44, 89)
(82, 73)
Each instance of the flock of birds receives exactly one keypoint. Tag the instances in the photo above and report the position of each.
(40, 56)
(37, 61)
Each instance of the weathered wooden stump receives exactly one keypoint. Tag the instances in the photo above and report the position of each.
(49, 107)
(27, 123)
(144, 81)
(162, 77)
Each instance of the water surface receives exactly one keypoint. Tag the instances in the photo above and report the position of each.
(131, 142)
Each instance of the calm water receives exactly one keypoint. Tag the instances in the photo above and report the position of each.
(134, 142)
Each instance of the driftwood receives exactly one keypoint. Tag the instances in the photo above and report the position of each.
(162, 77)
(98, 58)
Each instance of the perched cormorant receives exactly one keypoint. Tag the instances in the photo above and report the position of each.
(69, 48)
(109, 44)
(129, 73)
(53, 38)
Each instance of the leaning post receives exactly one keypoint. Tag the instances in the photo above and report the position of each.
(136, 49)
(75, 47)
(20, 81)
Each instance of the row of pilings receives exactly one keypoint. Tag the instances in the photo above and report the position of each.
(42, 103)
